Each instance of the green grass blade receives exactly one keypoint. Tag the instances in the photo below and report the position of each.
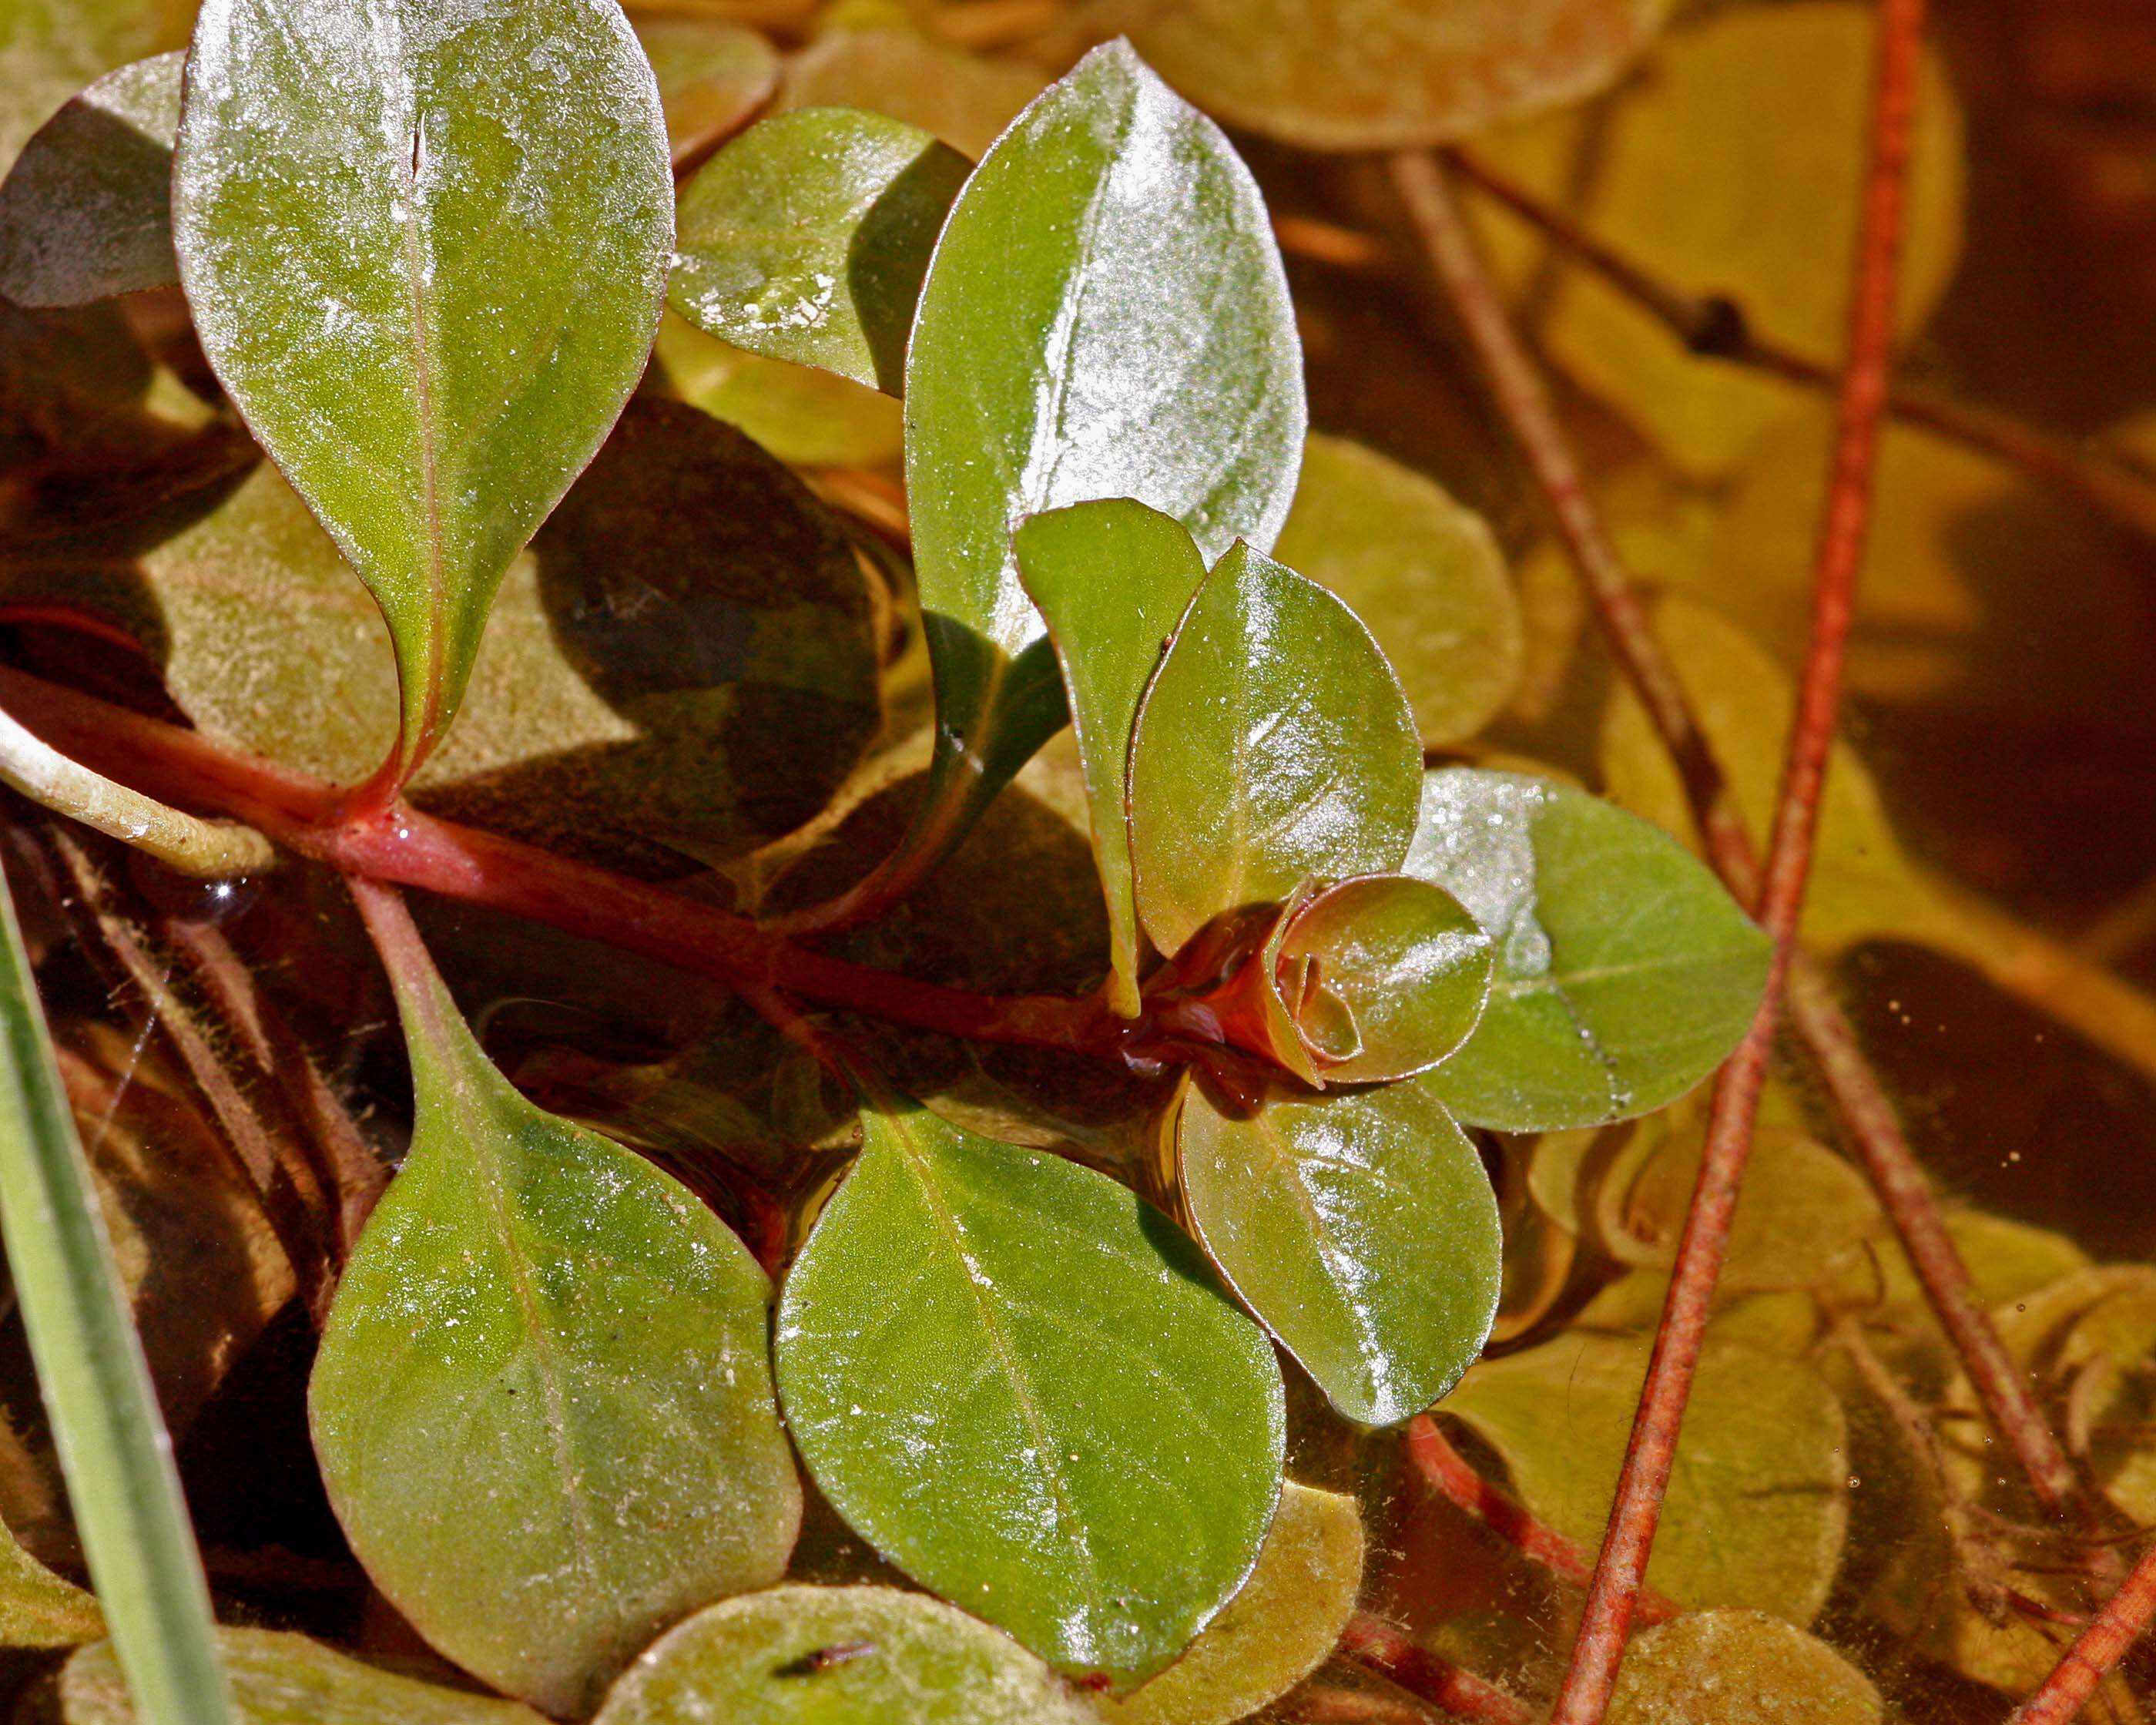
(112, 1443)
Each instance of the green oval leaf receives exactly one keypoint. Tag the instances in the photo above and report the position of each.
(1401, 962)
(289, 1680)
(1275, 1632)
(427, 283)
(1424, 571)
(806, 239)
(1113, 579)
(86, 211)
(1362, 1229)
(542, 1404)
(1018, 1382)
(1626, 974)
(1275, 745)
(839, 1655)
(1739, 1668)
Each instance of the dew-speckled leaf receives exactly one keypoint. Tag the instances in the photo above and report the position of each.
(50, 49)
(1426, 574)
(1113, 580)
(1762, 1452)
(428, 282)
(713, 76)
(1273, 1632)
(1625, 974)
(1731, 167)
(812, 418)
(965, 98)
(1275, 745)
(1360, 1227)
(86, 211)
(1408, 968)
(1018, 1381)
(806, 239)
(839, 1655)
(1739, 1668)
(1384, 74)
(280, 1679)
(542, 1404)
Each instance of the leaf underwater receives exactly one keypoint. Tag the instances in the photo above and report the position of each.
(429, 289)
(280, 1679)
(1018, 1382)
(1274, 745)
(543, 1393)
(1363, 1231)
(86, 211)
(1625, 974)
(806, 238)
(1739, 1668)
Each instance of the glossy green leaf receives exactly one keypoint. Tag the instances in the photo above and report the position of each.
(1113, 580)
(806, 239)
(1275, 745)
(1739, 1668)
(1626, 974)
(86, 211)
(113, 1448)
(1408, 968)
(839, 1655)
(1426, 574)
(542, 1404)
(288, 1679)
(1381, 74)
(713, 76)
(429, 286)
(53, 48)
(1018, 1382)
(1273, 1632)
(1764, 1450)
(1360, 1227)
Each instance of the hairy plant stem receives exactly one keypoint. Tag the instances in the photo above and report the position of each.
(403, 846)
(1868, 1116)
(1382, 1649)
(2123, 1619)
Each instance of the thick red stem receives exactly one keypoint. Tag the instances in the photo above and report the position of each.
(1384, 1650)
(2123, 1621)
(1613, 1596)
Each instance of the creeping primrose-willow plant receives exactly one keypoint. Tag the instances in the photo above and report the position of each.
(425, 247)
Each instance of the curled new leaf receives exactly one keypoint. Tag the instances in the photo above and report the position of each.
(428, 285)
(1017, 1381)
(839, 1655)
(86, 211)
(806, 239)
(543, 1395)
(1361, 1228)
(1275, 745)
(1624, 973)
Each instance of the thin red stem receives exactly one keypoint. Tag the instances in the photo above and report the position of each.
(1384, 1650)
(2123, 1621)
(1613, 1596)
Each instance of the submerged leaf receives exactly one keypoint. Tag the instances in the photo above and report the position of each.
(1624, 973)
(838, 1655)
(1739, 1668)
(542, 1403)
(806, 239)
(1275, 745)
(1273, 1632)
(1424, 572)
(86, 211)
(1113, 579)
(1360, 1227)
(1385, 75)
(1762, 1452)
(358, 204)
(1017, 1381)
(288, 1679)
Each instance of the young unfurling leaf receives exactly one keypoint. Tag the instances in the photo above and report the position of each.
(424, 247)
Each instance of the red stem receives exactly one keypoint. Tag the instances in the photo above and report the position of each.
(1455, 1480)
(1384, 1650)
(1613, 1596)
(2113, 1629)
(407, 848)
